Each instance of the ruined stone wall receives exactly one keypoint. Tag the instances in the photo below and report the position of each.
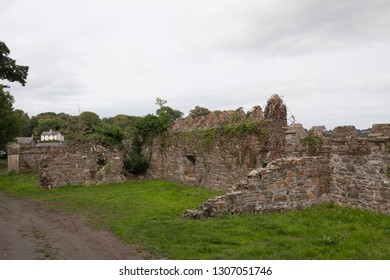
(353, 171)
(299, 142)
(219, 149)
(361, 168)
(284, 184)
(83, 163)
(30, 156)
(224, 161)
(261, 164)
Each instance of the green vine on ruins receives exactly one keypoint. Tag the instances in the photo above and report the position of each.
(203, 139)
(239, 129)
(313, 143)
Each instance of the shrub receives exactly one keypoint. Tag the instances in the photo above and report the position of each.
(135, 163)
(110, 135)
(199, 112)
(313, 144)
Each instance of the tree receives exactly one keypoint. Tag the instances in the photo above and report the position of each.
(9, 70)
(160, 102)
(166, 114)
(127, 123)
(24, 123)
(147, 128)
(45, 122)
(68, 125)
(89, 122)
(143, 132)
(134, 161)
(9, 127)
(110, 135)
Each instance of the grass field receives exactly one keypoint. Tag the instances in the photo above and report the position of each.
(148, 213)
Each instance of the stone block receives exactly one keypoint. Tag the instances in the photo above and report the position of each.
(353, 195)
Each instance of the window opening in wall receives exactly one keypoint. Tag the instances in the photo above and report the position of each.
(191, 157)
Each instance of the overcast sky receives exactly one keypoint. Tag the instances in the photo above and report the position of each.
(329, 59)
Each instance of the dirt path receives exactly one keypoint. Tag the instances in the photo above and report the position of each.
(28, 231)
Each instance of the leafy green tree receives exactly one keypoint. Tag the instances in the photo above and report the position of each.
(9, 70)
(68, 125)
(166, 114)
(127, 123)
(13, 123)
(35, 119)
(45, 122)
(24, 122)
(145, 130)
(9, 127)
(83, 127)
(89, 122)
(110, 135)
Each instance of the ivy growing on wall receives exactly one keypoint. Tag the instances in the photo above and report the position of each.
(202, 139)
(313, 143)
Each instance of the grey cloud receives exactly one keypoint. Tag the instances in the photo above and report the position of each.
(281, 28)
(57, 96)
(117, 57)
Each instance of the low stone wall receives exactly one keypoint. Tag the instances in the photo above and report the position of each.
(30, 156)
(284, 184)
(84, 163)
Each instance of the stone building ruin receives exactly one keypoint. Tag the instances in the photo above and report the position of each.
(81, 163)
(344, 168)
(258, 161)
(219, 149)
(262, 164)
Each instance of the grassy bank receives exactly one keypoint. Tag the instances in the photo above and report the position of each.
(148, 213)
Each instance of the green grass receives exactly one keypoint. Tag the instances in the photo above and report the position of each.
(148, 213)
(3, 165)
